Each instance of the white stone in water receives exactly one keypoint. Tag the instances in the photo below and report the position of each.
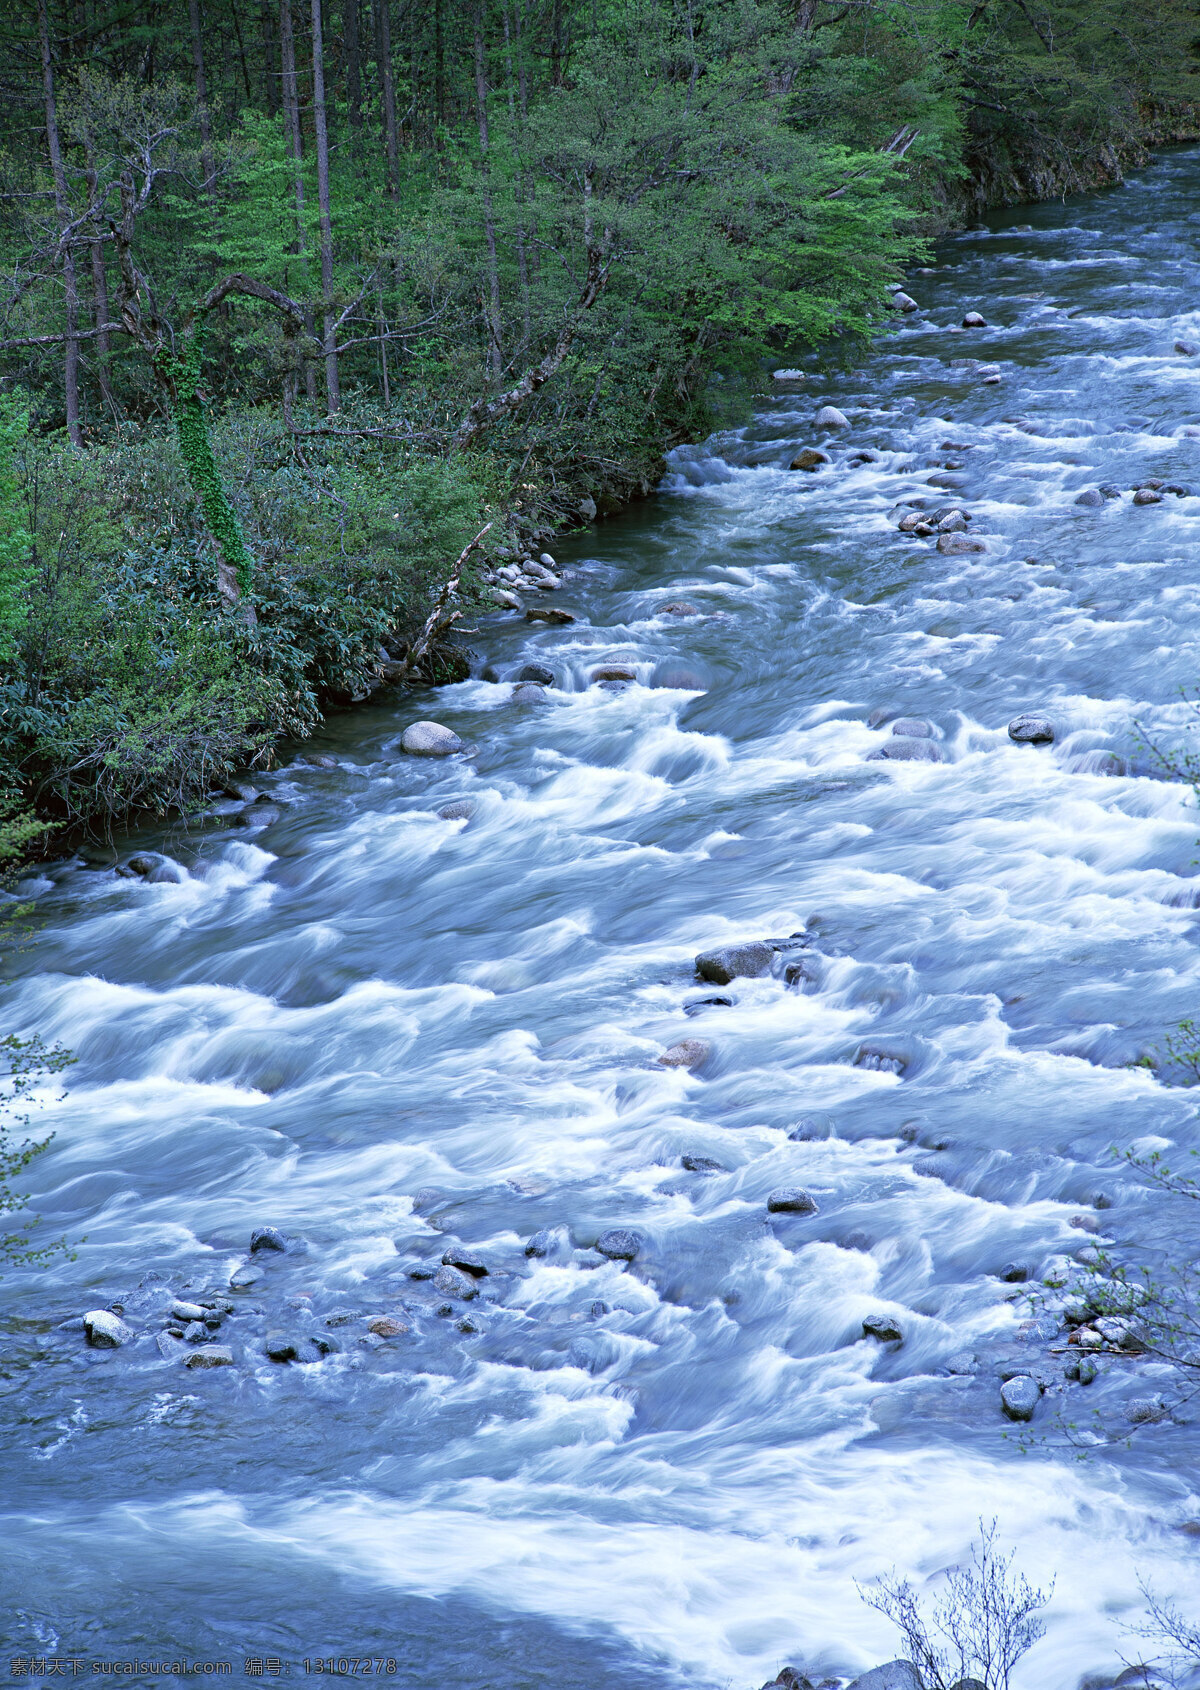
(105, 1330)
(430, 739)
(830, 417)
(788, 375)
(1019, 1397)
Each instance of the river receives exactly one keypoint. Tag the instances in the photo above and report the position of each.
(386, 1033)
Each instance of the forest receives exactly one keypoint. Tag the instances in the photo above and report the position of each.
(299, 298)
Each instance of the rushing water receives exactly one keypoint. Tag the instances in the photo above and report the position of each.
(383, 1032)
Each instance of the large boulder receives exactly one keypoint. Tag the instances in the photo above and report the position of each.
(453, 1282)
(892, 1675)
(810, 459)
(735, 962)
(901, 301)
(1020, 1396)
(538, 673)
(430, 739)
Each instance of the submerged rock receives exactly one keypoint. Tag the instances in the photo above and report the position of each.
(541, 1243)
(619, 1244)
(679, 608)
(1187, 348)
(906, 749)
(701, 1165)
(734, 962)
(687, 1053)
(429, 739)
(614, 672)
(105, 1330)
(791, 1200)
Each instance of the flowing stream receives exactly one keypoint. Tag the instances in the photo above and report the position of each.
(385, 1033)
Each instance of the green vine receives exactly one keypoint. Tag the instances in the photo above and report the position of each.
(182, 376)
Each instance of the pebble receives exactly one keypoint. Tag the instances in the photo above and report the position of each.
(734, 962)
(105, 1330)
(810, 459)
(1031, 730)
(1019, 1397)
(973, 320)
(429, 739)
(687, 1053)
(210, 1355)
(883, 1327)
(791, 1200)
(453, 1282)
(830, 417)
(537, 672)
(619, 1244)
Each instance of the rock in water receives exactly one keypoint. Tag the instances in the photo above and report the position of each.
(958, 545)
(904, 302)
(458, 1256)
(1031, 730)
(614, 672)
(973, 320)
(680, 608)
(538, 673)
(528, 692)
(430, 739)
(810, 459)
(733, 962)
(1092, 497)
(387, 1326)
(906, 750)
(453, 1282)
(790, 1200)
(883, 1327)
(830, 417)
(701, 1165)
(105, 1330)
(267, 1238)
(1147, 496)
(558, 618)
(1019, 1397)
(541, 1243)
(1187, 348)
(461, 810)
(688, 1053)
(619, 1244)
(210, 1355)
(893, 1675)
(912, 727)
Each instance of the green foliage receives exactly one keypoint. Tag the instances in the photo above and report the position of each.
(15, 562)
(24, 1065)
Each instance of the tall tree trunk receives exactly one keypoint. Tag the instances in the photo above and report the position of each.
(270, 86)
(291, 117)
(206, 153)
(439, 64)
(556, 44)
(353, 71)
(522, 262)
(387, 91)
(332, 392)
(99, 290)
(63, 213)
(489, 223)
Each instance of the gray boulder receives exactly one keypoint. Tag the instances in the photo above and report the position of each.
(528, 692)
(210, 1355)
(1145, 1411)
(267, 1238)
(735, 962)
(1092, 497)
(973, 320)
(904, 302)
(893, 1675)
(429, 739)
(1020, 1396)
(105, 1330)
(1187, 348)
(1147, 496)
(286, 1346)
(459, 1256)
(883, 1327)
(912, 727)
(701, 1165)
(461, 810)
(541, 1243)
(830, 417)
(180, 1310)
(1031, 730)
(791, 1200)
(537, 672)
(958, 545)
(619, 1244)
(453, 1282)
